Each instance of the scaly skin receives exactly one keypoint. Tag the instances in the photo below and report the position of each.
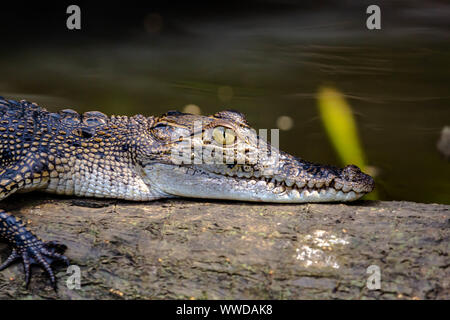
(145, 158)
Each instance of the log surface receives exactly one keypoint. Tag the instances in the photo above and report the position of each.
(188, 249)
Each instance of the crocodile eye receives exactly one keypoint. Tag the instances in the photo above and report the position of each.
(224, 135)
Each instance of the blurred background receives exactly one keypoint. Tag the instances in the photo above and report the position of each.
(275, 61)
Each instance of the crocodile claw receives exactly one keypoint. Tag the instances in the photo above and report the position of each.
(40, 253)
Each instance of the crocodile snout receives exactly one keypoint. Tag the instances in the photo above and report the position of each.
(360, 181)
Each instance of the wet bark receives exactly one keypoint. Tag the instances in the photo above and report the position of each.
(233, 250)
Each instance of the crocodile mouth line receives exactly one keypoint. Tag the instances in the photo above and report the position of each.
(280, 190)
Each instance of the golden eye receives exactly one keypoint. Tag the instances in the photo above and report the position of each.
(223, 135)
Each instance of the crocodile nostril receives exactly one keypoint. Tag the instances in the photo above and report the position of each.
(351, 172)
(360, 181)
(352, 167)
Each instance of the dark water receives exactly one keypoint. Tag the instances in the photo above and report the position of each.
(396, 80)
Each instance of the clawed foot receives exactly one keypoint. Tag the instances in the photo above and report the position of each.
(40, 253)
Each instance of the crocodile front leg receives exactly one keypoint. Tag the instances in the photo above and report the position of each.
(25, 245)
(28, 247)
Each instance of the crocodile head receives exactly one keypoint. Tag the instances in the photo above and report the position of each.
(222, 157)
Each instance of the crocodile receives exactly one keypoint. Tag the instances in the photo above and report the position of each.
(143, 158)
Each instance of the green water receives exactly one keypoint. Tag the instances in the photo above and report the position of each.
(397, 85)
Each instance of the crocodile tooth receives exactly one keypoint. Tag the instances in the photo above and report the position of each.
(319, 184)
(270, 186)
(289, 182)
(300, 183)
(337, 185)
(346, 188)
(278, 190)
(311, 184)
(350, 196)
(261, 183)
(294, 194)
(340, 195)
(331, 192)
(315, 194)
(248, 174)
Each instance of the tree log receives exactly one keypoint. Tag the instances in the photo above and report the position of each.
(193, 249)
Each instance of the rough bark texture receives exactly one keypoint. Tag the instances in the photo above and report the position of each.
(230, 250)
